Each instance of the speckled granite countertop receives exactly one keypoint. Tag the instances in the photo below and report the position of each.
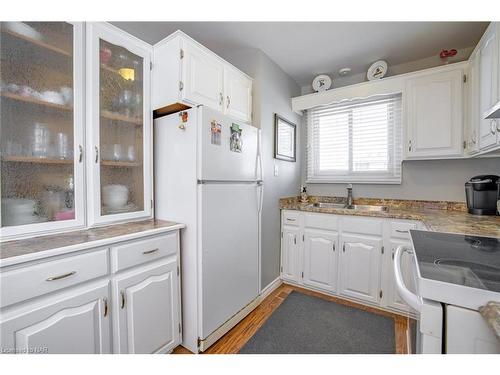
(56, 244)
(450, 217)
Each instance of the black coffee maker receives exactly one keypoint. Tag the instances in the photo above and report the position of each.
(482, 194)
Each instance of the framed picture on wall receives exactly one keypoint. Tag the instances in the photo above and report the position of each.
(284, 139)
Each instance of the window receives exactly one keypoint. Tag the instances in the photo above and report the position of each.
(355, 141)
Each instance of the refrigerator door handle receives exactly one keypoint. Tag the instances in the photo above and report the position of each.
(260, 196)
(259, 161)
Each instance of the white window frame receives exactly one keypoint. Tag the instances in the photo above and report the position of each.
(394, 173)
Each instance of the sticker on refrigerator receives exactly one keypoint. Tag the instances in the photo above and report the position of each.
(215, 133)
(236, 142)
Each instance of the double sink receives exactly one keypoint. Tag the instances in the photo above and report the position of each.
(358, 207)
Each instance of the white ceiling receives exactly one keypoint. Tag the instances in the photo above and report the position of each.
(305, 49)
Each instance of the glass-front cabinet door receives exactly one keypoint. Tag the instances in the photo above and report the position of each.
(41, 127)
(118, 125)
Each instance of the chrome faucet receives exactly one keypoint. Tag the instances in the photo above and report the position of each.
(349, 195)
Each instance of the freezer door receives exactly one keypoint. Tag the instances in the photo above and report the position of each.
(220, 162)
(229, 247)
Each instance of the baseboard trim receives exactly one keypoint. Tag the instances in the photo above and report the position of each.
(227, 326)
(271, 287)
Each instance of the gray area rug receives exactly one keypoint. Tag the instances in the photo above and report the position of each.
(304, 324)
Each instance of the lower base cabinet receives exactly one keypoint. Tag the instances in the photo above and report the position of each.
(147, 306)
(290, 254)
(76, 321)
(320, 259)
(360, 267)
(134, 307)
(347, 256)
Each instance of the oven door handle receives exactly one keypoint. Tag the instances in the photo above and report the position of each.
(410, 298)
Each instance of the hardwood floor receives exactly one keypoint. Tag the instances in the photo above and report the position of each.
(236, 338)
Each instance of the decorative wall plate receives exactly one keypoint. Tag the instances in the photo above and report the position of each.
(377, 70)
(321, 83)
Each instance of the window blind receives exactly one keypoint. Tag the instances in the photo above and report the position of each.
(355, 141)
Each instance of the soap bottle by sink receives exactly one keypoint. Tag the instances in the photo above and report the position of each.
(304, 198)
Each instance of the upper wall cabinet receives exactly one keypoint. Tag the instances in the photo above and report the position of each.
(487, 51)
(433, 104)
(186, 74)
(238, 90)
(472, 105)
(118, 125)
(202, 77)
(41, 126)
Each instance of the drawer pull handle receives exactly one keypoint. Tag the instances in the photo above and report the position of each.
(53, 278)
(150, 251)
(401, 231)
(105, 300)
(122, 293)
(288, 219)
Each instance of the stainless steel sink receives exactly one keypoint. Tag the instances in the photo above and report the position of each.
(360, 207)
(328, 205)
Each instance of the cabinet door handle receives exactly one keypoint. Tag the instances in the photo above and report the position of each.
(228, 101)
(343, 248)
(409, 145)
(96, 154)
(80, 156)
(401, 231)
(221, 98)
(150, 251)
(333, 247)
(122, 293)
(105, 300)
(59, 277)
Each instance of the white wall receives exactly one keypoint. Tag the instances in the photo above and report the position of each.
(422, 179)
(411, 66)
(272, 91)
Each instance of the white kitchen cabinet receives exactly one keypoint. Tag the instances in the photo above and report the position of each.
(313, 256)
(119, 126)
(320, 259)
(202, 77)
(41, 126)
(187, 74)
(75, 321)
(147, 309)
(488, 91)
(238, 94)
(472, 118)
(434, 111)
(290, 254)
(65, 304)
(360, 267)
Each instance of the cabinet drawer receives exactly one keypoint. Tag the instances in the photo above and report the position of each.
(401, 229)
(321, 221)
(362, 225)
(138, 252)
(27, 282)
(291, 217)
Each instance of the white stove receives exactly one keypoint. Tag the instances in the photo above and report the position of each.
(454, 275)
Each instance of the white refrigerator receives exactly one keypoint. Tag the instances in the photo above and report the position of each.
(208, 175)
